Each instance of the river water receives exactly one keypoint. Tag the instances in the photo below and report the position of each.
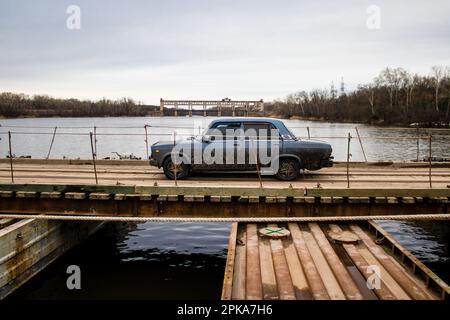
(186, 260)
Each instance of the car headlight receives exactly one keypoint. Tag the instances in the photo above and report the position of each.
(156, 150)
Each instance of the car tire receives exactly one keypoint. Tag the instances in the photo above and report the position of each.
(169, 172)
(288, 169)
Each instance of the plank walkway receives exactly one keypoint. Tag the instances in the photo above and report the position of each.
(393, 176)
(308, 265)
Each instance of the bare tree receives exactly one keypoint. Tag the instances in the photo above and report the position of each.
(437, 72)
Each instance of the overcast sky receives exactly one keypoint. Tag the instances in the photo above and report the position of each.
(189, 49)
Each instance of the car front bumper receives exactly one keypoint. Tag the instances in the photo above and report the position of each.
(327, 162)
(153, 162)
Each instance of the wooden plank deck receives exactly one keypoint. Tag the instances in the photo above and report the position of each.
(309, 264)
(410, 175)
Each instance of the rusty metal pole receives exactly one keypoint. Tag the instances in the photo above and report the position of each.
(418, 143)
(429, 158)
(146, 140)
(175, 169)
(348, 160)
(360, 142)
(309, 134)
(51, 143)
(95, 141)
(93, 157)
(10, 157)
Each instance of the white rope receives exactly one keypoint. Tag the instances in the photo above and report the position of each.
(434, 217)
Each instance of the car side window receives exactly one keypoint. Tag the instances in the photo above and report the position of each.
(259, 130)
(224, 130)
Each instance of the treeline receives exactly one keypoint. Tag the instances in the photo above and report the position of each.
(14, 105)
(395, 96)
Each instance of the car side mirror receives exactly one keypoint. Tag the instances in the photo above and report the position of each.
(207, 139)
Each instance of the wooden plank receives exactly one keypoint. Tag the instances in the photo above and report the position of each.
(383, 291)
(99, 196)
(145, 197)
(283, 278)
(426, 271)
(298, 276)
(75, 195)
(26, 194)
(328, 278)
(316, 284)
(385, 276)
(342, 275)
(119, 197)
(253, 271)
(411, 288)
(51, 195)
(239, 271)
(269, 283)
(229, 266)
(6, 194)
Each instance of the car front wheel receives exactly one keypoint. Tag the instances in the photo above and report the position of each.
(181, 169)
(289, 169)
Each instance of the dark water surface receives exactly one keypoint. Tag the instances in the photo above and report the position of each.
(186, 260)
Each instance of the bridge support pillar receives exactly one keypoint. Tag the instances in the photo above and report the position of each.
(190, 109)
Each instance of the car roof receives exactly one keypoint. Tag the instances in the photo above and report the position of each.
(247, 119)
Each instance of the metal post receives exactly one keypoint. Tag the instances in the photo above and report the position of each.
(95, 141)
(10, 157)
(348, 160)
(93, 157)
(146, 140)
(175, 169)
(258, 170)
(429, 159)
(309, 134)
(360, 142)
(51, 143)
(418, 143)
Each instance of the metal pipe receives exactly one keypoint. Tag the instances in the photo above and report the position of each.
(418, 144)
(93, 158)
(95, 141)
(175, 169)
(348, 160)
(10, 157)
(146, 140)
(429, 158)
(51, 143)
(360, 142)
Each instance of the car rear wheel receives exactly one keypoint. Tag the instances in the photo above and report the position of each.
(181, 169)
(289, 169)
